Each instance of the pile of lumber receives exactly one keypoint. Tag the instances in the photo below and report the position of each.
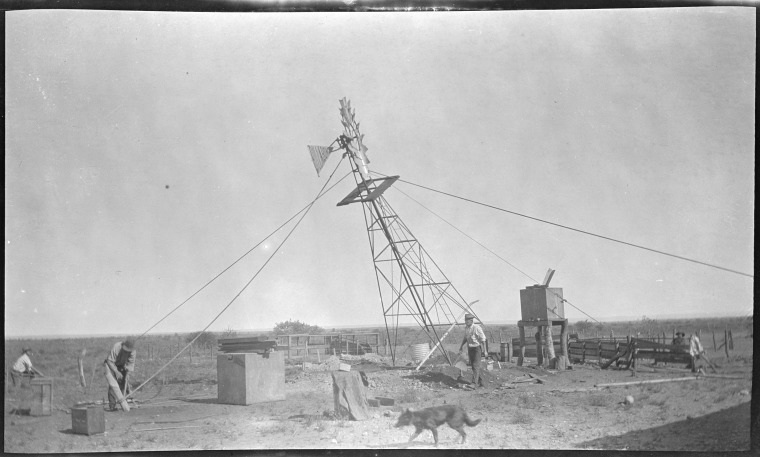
(248, 344)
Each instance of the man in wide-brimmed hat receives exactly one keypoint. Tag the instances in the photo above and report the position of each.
(23, 367)
(119, 364)
(474, 338)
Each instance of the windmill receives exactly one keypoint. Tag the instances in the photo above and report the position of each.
(411, 285)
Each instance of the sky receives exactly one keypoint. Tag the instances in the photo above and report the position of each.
(145, 152)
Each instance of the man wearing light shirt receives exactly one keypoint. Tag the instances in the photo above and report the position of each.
(23, 367)
(474, 338)
(119, 363)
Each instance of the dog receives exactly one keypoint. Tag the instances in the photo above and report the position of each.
(431, 418)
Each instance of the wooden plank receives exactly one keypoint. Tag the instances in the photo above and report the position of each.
(243, 339)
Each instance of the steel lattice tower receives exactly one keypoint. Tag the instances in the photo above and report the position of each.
(412, 287)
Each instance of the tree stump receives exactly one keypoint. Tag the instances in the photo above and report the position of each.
(559, 363)
(350, 395)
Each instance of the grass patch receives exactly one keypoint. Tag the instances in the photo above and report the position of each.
(721, 398)
(522, 417)
(412, 395)
(654, 388)
(598, 400)
(528, 402)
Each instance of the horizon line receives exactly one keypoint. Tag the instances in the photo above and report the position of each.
(611, 320)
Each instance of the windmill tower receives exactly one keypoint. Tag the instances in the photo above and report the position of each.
(411, 285)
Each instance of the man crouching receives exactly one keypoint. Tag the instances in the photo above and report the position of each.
(119, 363)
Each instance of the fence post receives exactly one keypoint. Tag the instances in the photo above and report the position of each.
(730, 340)
(725, 342)
(715, 345)
(583, 351)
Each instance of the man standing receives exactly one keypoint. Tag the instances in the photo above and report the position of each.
(119, 363)
(23, 367)
(474, 338)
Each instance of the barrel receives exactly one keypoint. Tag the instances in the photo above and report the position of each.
(505, 355)
(419, 351)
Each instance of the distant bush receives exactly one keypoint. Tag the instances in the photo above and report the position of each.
(229, 333)
(583, 326)
(291, 327)
(206, 339)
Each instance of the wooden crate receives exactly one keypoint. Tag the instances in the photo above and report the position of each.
(88, 420)
(539, 303)
(42, 396)
(246, 378)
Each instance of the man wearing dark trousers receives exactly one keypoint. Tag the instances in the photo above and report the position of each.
(474, 338)
(119, 363)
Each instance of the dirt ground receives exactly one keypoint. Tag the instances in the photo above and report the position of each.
(564, 411)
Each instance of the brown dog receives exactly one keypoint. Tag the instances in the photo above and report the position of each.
(431, 418)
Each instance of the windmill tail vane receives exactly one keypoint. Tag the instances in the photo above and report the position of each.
(352, 141)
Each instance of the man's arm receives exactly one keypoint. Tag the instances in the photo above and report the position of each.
(115, 371)
(111, 360)
(482, 338)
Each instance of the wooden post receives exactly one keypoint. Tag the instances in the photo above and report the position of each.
(563, 340)
(80, 363)
(725, 342)
(730, 340)
(539, 347)
(549, 342)
(521, 357)
(715, 345)
(191, 354)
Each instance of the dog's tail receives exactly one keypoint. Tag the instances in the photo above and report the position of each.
(471, 422)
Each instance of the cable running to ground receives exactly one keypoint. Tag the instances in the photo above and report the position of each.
(276, 250)
(489, 250)
(578, 230)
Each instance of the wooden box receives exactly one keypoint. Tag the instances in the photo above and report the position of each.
(541, 303)
(88, 420)
(42, 396)
(246, 378)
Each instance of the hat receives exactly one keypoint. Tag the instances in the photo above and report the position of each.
(468, 316)
(26, 349)
(128, 345)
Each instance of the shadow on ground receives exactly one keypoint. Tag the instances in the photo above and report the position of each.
(434, 377)
(724, 430)
(201, 400)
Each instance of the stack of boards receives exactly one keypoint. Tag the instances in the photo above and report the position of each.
(247, 344)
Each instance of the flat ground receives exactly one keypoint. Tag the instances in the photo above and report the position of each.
(566, 411)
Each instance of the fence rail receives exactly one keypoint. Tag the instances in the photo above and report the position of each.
(302, 345)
